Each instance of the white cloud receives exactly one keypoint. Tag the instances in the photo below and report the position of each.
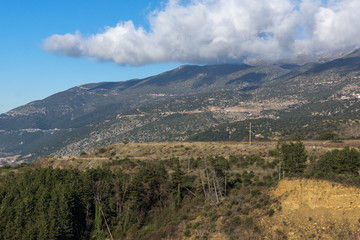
(217, 31)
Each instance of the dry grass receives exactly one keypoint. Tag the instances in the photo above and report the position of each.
(156, 151)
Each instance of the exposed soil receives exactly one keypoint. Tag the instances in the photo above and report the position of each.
(314, 209)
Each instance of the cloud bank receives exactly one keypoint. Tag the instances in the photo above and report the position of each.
(221, 31)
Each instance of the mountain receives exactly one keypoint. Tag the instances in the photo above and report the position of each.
(324, 97)
(179, 103)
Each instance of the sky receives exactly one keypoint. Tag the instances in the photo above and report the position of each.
(50, 46)
(28, 72)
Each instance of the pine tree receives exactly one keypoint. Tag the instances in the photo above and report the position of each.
(98, 234)
(177, 177)
(293, 156)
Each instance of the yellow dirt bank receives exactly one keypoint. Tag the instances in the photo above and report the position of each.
(314, 209)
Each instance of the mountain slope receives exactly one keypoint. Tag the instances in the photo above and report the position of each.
(178, 103)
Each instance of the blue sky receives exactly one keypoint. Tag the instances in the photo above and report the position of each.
(47, 46)
(29, 73)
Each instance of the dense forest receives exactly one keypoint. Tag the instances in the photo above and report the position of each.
(148, 200)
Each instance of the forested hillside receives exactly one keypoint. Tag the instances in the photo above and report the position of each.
(200, 197)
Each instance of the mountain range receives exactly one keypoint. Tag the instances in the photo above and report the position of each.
(199, 103)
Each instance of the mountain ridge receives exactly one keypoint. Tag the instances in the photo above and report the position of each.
(178, 103)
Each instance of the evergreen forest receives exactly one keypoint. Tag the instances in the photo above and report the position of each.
(149, 200)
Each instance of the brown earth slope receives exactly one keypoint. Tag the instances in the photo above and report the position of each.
(314, 209)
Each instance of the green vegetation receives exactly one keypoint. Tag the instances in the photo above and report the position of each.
(44, 204)
(294, 125)
(271, 212)
(339, 165)
(293, 157)
(69, 204)
(327, 136)
(136, 199)
(142, 200)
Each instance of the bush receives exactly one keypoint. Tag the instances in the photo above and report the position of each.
(238, 185)
(187, 233)
(271, 212)
(346, 161)
(273, 153)
(102, 150)
(236, 220)
(228, 213)
(297, 138)
(213, 215)
(327, 136)
(196, 225)
(246, 211)
(249, 221)
(255, 192)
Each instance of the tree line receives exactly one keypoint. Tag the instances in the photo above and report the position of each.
(342, 165)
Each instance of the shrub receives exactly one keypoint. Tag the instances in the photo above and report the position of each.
(271, 212)
(246, 211)
(196, 225)
(346, 161)
(260, 183)
(228, 213)
(249, 221)
(247, 182)
(236, 220)
(102, 150)
(187, 233)
(255, 192)
(327, 136)
(273, 153)
(213, 215)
